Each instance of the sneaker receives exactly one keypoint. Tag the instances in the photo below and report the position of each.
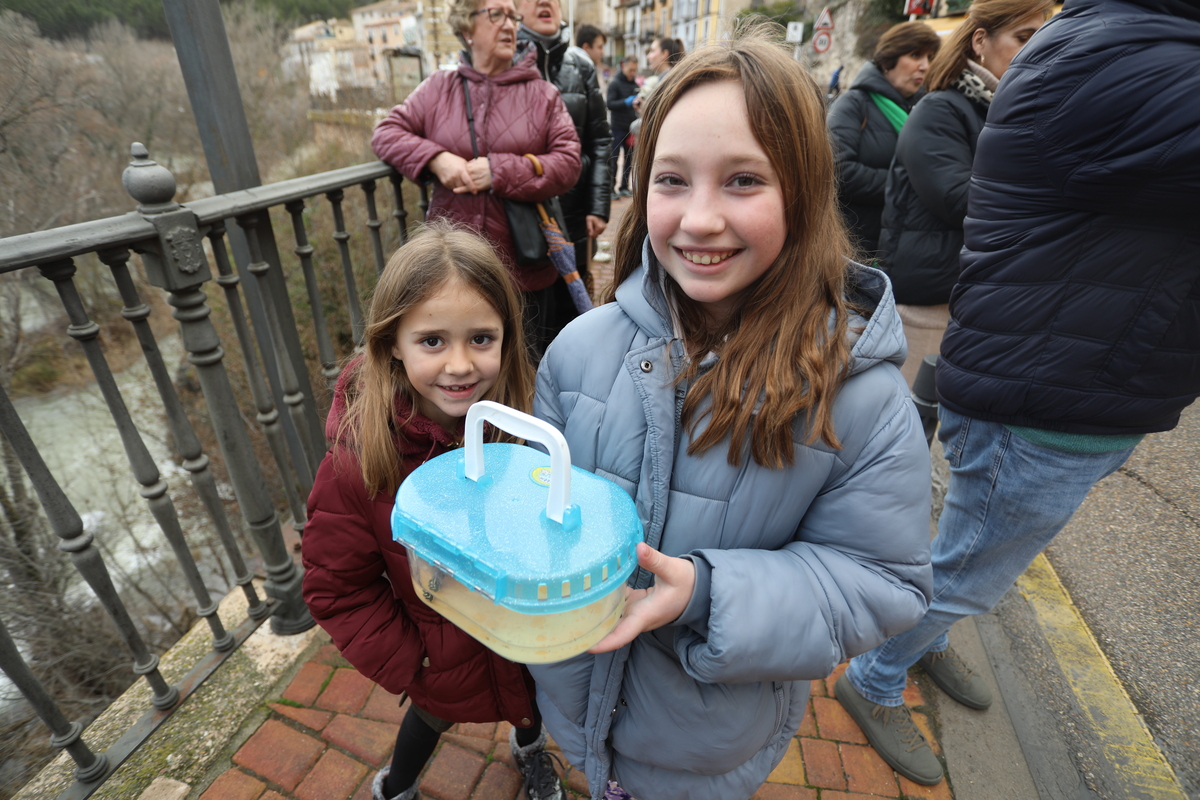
(536, 766)
(603, 257)
(893, 734)
(626, 193)
(956, 679)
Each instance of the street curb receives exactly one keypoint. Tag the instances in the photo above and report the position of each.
(1122, 737)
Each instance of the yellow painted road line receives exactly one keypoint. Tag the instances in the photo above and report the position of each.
(1124, 740)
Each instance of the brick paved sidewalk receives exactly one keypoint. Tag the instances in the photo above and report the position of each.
(332, 729)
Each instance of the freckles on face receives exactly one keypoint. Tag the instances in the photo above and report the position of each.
(715, 206)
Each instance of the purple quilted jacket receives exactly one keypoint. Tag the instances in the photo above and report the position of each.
(516, 112)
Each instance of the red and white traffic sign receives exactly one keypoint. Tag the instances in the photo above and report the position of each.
(918, 7)
(822, 41)
(824, 20)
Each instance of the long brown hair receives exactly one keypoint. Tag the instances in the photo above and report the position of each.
(439, 253)
(784, 352)
(993, 16)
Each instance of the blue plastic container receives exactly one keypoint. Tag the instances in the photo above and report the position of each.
(530, 555)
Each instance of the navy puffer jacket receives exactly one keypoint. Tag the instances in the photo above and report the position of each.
(1078, 306)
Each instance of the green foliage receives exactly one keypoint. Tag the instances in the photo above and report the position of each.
(877, 16)
(62, 19)
(781, 11)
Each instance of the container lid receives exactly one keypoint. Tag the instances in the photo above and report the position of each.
(494, 533)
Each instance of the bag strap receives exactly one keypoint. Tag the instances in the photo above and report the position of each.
(470, 115)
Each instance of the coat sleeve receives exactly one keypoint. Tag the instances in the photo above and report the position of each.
(857, 182)
(345, 584)
(399, 138)
(936, 150)
(597, 142)
(856, 572)
(513, 175)
(615, 101)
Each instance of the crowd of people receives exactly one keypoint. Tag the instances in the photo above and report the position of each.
(776, 264)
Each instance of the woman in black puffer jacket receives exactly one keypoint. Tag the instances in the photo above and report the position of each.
(573, 73)
(865, 121)
(926, 196)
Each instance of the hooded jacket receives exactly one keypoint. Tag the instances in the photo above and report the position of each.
(358, 587)
(864, 143)
(1078, 307)
(515, 113)
(797, 569)
(574, 75)
(926, 197)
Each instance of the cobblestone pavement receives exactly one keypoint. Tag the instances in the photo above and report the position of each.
(331, 729)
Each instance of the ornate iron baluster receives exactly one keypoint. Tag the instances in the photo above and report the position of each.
(154, 488)
(66, 524)
(268, 416)
(373, 224)
(292, 396)
(343, 240)
(329, 367)
(423, 201)
(194, 459)
(399, 213)
(176, 263)
(67, 735)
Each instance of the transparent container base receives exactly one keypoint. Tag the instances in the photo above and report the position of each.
(524, 638)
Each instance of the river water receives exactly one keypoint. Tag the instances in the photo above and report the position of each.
(76, 436)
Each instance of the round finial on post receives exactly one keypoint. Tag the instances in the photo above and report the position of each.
(150, 184)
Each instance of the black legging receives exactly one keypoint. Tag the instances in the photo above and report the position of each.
(416, 742)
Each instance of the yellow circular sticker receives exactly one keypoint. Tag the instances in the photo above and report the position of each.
(541, 476)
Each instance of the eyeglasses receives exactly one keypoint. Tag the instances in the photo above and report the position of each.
(497, 15)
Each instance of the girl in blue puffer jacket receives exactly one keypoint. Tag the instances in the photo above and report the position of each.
(742, 386)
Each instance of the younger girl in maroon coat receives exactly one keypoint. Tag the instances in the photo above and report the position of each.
(444, 331)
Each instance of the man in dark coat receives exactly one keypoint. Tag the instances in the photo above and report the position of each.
(1075, 324)
(622, 90)
(586, 205)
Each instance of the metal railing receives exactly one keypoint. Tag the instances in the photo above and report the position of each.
(169, 238)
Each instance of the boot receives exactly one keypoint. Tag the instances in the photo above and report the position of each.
(377, 790)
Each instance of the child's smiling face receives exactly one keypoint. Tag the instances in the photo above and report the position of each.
(715, 209)
(450, 345)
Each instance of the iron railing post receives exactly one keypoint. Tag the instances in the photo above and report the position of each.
(66, 735)
(176, 263)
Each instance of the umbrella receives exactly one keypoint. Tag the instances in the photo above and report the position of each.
(562, 255)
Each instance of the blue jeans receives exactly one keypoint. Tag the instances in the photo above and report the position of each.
(1007, 500)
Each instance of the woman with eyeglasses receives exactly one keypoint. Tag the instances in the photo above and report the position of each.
(475, 162)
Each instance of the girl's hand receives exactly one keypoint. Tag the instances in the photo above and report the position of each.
(662, 603)
(481, 175)
(452, 172)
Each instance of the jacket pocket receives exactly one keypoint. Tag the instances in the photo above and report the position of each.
(666, 719)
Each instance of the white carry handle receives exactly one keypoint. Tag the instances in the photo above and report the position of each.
(531, 429)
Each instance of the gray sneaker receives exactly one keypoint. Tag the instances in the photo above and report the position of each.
(956, 679)
(893, 734)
